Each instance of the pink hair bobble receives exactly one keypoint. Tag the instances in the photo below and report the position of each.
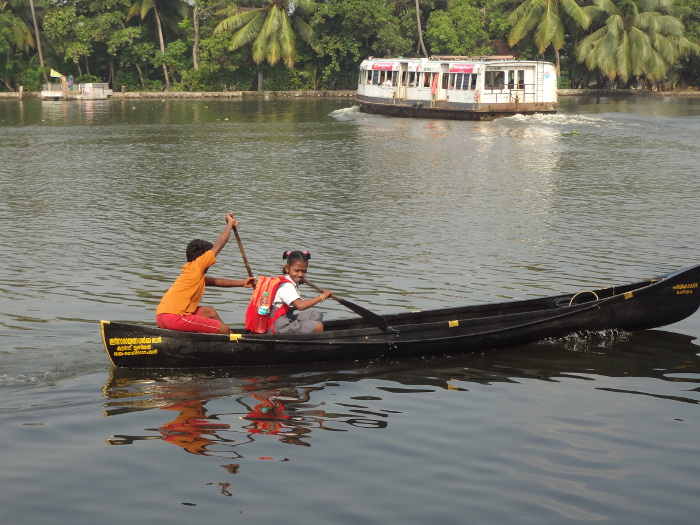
(305, 255)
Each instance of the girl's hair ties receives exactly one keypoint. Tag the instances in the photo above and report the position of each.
(297, 255)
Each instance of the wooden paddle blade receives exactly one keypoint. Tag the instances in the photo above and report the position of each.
(375, 319)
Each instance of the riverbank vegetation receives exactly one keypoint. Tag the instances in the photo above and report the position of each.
(224, 45)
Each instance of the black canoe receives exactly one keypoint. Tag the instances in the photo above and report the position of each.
(652, 303)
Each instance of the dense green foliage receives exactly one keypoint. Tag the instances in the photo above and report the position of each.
(220, 45)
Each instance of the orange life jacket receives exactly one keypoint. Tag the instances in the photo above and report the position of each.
(252, 317)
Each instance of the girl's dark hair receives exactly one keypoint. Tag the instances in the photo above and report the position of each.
(296, 255)
(196, 248)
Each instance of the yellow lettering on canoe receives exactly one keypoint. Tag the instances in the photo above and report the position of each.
(134, 346)
(133, 352)
(115, 341)
(453, 324)
(685, 288)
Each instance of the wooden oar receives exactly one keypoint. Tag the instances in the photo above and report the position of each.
(371, 317)
(245, 259)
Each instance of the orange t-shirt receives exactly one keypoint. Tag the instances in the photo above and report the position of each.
(184, 295)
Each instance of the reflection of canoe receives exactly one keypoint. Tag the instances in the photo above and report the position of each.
(648, 304)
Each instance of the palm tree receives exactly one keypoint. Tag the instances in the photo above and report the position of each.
(636, 37)
(273, 29)
(201, 9)
(548, 19)
(15, 36)
(22, 32)
(38, 40)
(195, 43)
(174, 10)
(420, 29)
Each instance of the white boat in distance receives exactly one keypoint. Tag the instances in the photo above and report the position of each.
(460, 88)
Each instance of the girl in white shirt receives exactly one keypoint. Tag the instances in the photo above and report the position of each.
(298, 319)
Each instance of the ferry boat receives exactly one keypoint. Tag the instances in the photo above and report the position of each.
(458, 88)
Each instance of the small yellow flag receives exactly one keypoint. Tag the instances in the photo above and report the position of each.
(55, 73)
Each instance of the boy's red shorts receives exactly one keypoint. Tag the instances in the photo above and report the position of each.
(188, 323)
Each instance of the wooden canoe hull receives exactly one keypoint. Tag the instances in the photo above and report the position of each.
(643, 305)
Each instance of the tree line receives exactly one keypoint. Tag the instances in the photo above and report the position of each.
(224, 45)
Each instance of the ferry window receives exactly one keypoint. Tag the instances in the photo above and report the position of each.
(499, 79)
(495, 79)
(426, 79)
(462, 81)
(511, 79)
(386, 78)
(521, 79)
(445, 79)
(412, 78)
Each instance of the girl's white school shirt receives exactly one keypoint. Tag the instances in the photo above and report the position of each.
(287, 293)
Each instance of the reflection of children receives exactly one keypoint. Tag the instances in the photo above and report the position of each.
(190, 429)
(268, 416)
(271, 415)
(179, 309)
(298, 319)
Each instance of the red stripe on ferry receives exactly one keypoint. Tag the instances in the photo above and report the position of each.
(461, 68)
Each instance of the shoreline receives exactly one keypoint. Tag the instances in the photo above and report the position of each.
(174, 95)
(268, 95)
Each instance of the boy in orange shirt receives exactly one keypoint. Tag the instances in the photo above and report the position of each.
(179, 308)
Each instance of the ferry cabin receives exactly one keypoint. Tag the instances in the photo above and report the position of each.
(461, 88)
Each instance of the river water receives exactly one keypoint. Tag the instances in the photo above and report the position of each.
(98, 200)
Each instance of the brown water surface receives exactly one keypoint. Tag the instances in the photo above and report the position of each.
(98, 200)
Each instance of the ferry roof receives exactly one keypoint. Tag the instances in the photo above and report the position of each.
(433, 64)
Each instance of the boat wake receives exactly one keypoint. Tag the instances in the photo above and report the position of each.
(344, 114)
(19, 375)
(558, 119)
(590, 342)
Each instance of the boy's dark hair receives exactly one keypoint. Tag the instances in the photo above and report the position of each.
(196, 248)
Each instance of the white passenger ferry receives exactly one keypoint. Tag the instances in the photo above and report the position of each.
(477, 88)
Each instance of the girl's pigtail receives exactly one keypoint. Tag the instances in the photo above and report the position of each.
(297, 255)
